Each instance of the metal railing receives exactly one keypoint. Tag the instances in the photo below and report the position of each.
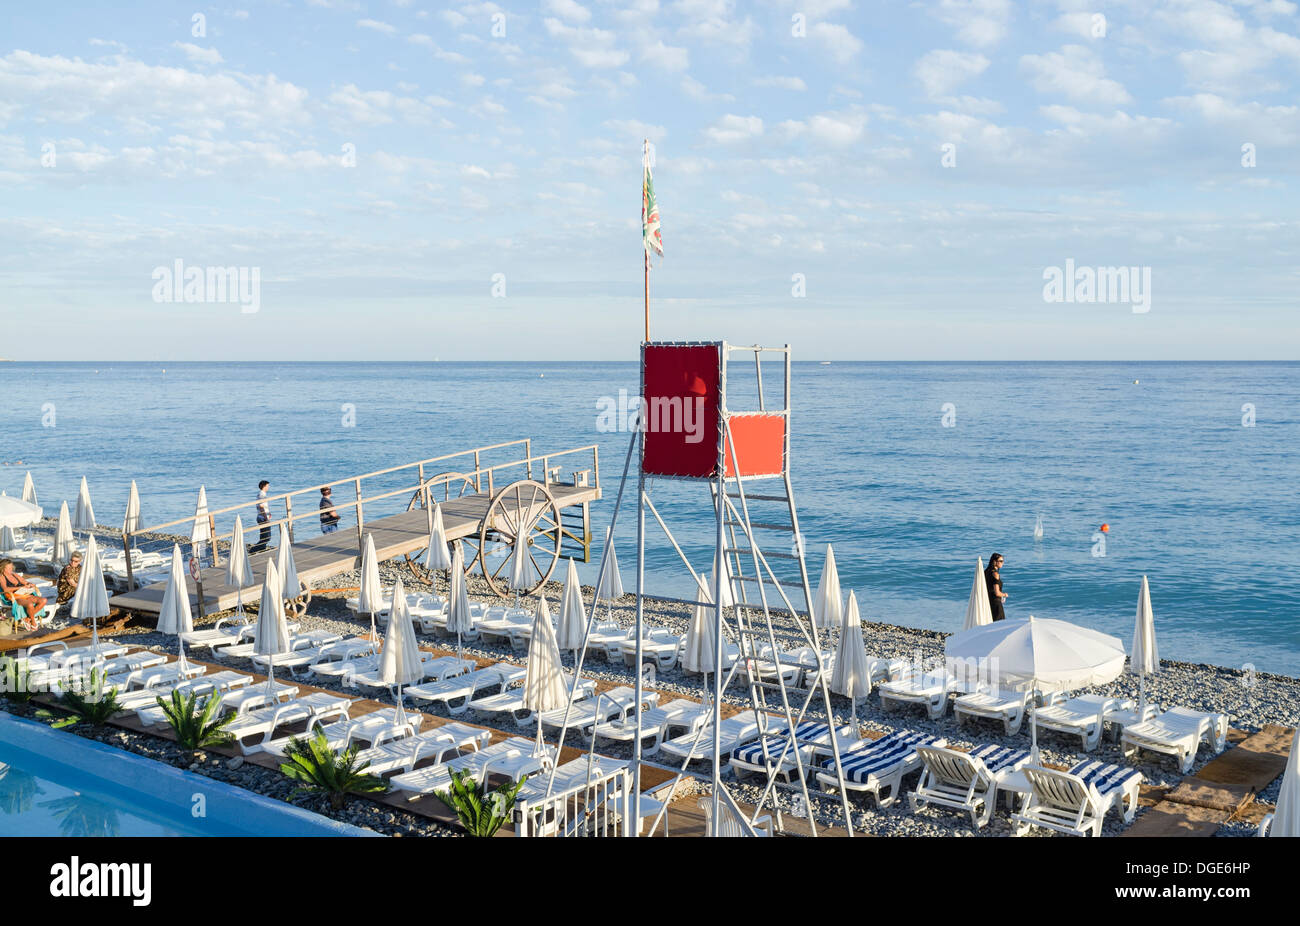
(475, 477)
(600, 807)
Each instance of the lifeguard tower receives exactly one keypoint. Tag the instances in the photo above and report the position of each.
(694, 430)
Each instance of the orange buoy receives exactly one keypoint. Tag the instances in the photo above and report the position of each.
(1105, 528)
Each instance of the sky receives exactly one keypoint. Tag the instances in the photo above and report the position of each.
(884, 181)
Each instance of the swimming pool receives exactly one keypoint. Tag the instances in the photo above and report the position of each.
(54, 783)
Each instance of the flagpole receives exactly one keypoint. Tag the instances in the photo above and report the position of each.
(645, 160)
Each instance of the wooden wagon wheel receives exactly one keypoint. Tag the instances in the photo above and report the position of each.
(528, 508)
(442, 487)
(297, 607)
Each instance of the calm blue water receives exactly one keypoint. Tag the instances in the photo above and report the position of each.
(42, 797)
(1205, 507)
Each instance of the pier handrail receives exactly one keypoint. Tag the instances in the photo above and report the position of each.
(379, 472)
(357, 503)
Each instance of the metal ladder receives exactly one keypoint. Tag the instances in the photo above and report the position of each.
(749, 567)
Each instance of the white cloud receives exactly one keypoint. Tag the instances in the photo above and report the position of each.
(731, 129)
(981, 23)
(1078, 23)
(1076, 73)
(634, 129)
(834, 129)
(209, 56)
(72, 90)
(569, 9)
(593, 48)
(714, 22)
(838, 40)
(697, 91)
(379, 107)
(377, 26)
(782, 83)
(666, 57)
(941, 70)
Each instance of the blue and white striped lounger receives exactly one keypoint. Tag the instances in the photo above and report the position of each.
(878, 767)
(810, 736)
(1077, 801)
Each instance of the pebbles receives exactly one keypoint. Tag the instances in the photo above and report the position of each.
(1250, 702)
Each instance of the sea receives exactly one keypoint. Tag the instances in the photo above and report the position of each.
(912, 471)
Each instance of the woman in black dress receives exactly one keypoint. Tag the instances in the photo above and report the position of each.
(993, 581)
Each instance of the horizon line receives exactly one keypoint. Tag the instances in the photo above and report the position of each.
(819, 360)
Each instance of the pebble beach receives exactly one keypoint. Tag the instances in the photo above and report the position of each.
(1251, 700)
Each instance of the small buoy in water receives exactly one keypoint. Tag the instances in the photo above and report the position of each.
(1105, 528)
(1136, 381)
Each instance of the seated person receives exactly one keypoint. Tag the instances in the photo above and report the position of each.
(17, 589)
(68, 579)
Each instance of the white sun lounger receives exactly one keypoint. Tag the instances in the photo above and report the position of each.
(505, 629)
(341, 734)
(656, 723)
(1178, 732)
(659, 647)
(878, 767)
(512, 701)
(151, 713)
(227, 632)
(766, 666)
(456, 693)
(571, 774)
(606, 635)
(255, 695)
(264, 721)
(735, 731)
(158, 675)
(308, 638)
(1077, 801)
(1004, 705)
(84, 655)
(965, 780)
(480, 765)
(332, 658)
(436, 668)
(302, 653)
(74, 674)
(930, 691)
(389, 755)
(599, 708)
(1084, 717)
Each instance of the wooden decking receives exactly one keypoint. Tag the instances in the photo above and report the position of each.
(1224, 789)
(317, 558)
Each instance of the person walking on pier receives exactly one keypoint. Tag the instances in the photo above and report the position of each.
(263, 516)
(993, 581)
(329, 518)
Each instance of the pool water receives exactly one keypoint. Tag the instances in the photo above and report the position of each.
(55, 783)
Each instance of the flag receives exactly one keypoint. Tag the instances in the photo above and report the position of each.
(650, 211)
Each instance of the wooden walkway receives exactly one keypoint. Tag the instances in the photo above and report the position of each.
(1224, 788)
(318, 558)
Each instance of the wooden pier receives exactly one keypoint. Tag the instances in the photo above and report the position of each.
(483, 506)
